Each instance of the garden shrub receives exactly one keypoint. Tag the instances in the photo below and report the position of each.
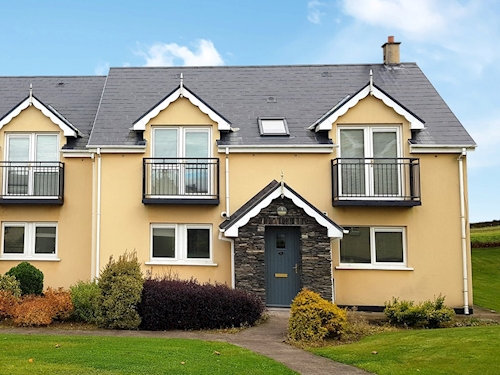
(428, 314)
(7, 304)
(10, 284)
(60, 302)
(169, 304)
(33, 310)
(313, 318)
(85, 298)
(30, 278)
(120, 285)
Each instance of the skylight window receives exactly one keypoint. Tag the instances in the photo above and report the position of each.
(273, 126)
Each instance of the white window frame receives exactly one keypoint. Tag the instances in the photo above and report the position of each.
(273, 126)
(181, 256)
(29, 241)
(181, 132)
(368, 131)
(373, 252)
(32, 137)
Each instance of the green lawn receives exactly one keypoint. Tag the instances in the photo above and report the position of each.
(485, 236)
(119, 355)
(486, 277)
(471, 350)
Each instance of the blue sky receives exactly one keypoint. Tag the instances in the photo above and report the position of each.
(455, 42)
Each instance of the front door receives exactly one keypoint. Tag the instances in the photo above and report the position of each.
(282, 265)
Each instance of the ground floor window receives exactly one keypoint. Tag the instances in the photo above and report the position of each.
(29, 240)
(183, 243)
(384, 246)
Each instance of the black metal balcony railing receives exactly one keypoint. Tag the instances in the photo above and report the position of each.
(32, 182)
(180, 181)
(376, 182)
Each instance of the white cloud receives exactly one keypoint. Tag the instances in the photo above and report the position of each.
(313, 11)
(163, 54)
(418, 19)
(101, 69)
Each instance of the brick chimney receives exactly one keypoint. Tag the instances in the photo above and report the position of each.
(391, 52)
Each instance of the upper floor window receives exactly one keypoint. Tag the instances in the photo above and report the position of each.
(32, 167)
(369, 161)
(184, 168)
(29, 240)
(273, 126)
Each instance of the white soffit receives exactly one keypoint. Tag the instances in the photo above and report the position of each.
(68, 129)
(140, 125)
(333, 231)
(327, 122)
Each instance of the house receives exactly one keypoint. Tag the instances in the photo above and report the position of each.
(350, 180)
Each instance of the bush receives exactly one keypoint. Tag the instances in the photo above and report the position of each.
(120, 285)
(32, 310)
(313, 318)
(10, 284)
(60, 302)
(30, 278)
(169, 304)
(85, 298)
(7, 304)
(428, 314)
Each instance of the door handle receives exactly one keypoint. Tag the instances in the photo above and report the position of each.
(296, 268)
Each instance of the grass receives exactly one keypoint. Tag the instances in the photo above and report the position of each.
(486, 277)
(50, 354)
(470, 350)
(485, 237)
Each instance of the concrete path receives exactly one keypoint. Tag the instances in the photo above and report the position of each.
(266, 339)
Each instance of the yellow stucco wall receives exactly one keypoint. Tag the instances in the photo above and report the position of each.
(432, 230)
(73, 218)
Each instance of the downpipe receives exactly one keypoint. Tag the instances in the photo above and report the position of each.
(463, 224)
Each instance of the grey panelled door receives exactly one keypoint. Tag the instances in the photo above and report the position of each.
(282, 265)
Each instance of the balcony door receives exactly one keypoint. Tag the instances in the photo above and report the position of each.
(184, 169)
(369, 162)
(30, 170)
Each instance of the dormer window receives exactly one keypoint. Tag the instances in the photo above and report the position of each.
(273, 126)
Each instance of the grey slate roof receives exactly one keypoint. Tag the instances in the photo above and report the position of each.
(75, 98)
(302, 94)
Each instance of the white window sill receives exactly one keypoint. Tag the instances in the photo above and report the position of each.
(180, 263)
(30, 259)
(373, 267)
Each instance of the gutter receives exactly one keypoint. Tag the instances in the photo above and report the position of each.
(463, 231)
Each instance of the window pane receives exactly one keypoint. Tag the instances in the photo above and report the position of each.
(165, 143)
(45, 240)
(46, 180)
(355, 246)
(165, 180)
(273, 127)
(13, 240)
(385, 172)
(389, 246)
(198, 243)
(17, 180)
(163, 243)
(281, 241)
(353, 171)
(19, 148)
(46, 147)
(196, 144)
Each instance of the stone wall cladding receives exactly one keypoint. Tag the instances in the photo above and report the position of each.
(249, 250)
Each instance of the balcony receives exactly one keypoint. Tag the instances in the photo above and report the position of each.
(376, 182)
(32, 182)
(180, 181)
